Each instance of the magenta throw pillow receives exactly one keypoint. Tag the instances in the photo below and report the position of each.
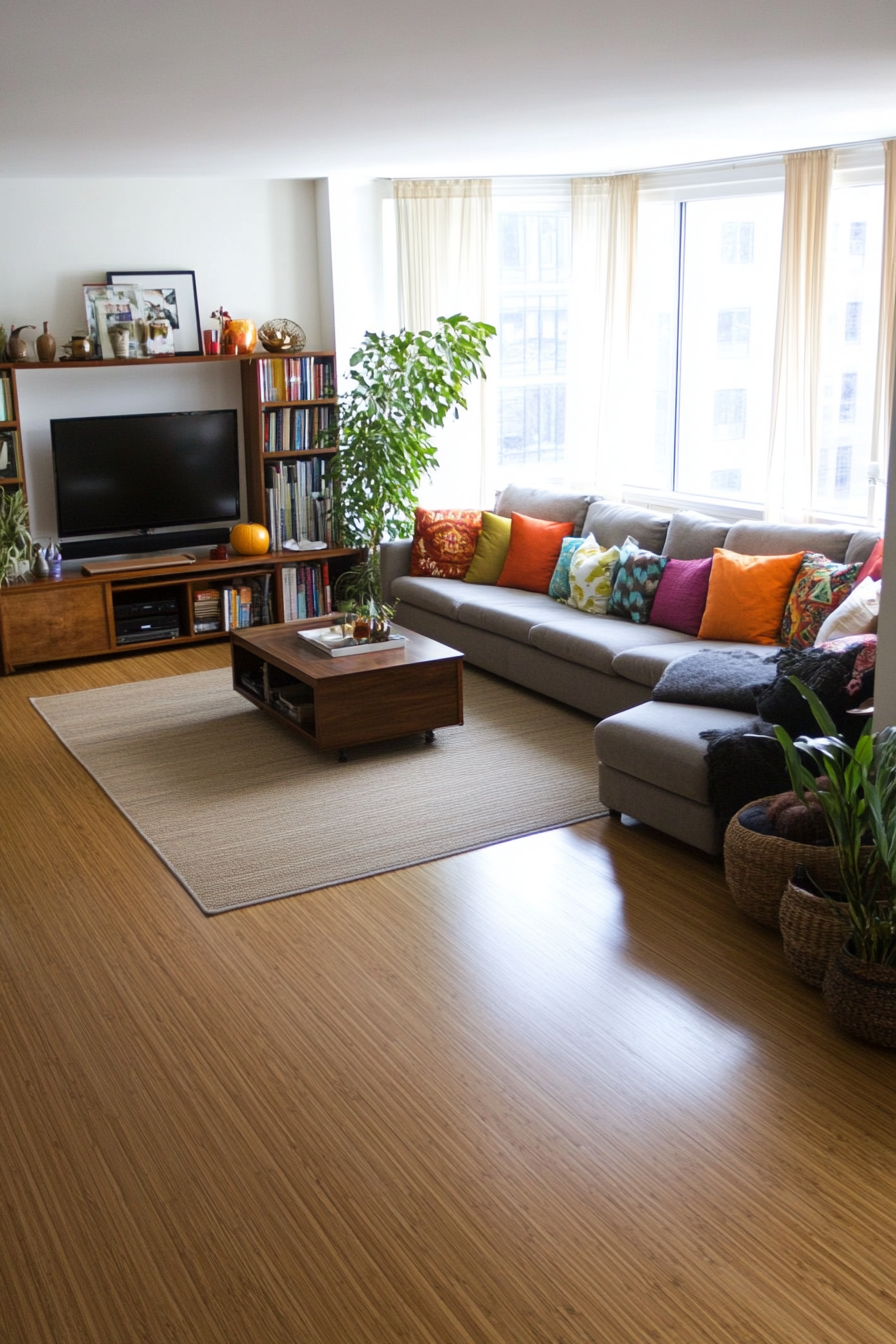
(681, 595)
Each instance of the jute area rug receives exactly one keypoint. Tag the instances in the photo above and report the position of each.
(242, 810)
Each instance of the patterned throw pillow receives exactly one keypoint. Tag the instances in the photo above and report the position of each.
(559, 585)
(819, 588)
(444, 542)
(637, 578)
(591, 576)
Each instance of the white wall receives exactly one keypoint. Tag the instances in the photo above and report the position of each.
(252, 244)
(357, 210)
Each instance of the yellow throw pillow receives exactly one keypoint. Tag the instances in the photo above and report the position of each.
(491, 550)
(591, 576)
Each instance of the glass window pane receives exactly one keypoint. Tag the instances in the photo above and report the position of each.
(849, 348)
(732, 251)
(649, 456)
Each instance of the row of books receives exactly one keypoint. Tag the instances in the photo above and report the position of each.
(305, 590)
(291, 429)
(302, 378)
(7, 406)
(233, 607)
(298, 502)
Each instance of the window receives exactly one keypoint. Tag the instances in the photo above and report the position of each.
(849, 347)
(729, 262)
(533, 233)
(734, 333)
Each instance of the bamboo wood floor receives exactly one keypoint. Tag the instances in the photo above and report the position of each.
(557, 1090)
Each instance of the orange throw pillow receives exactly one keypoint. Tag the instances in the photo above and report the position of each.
(746, 596)
(532, 556)
(444, 542)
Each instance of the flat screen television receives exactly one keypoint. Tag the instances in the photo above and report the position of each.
(135, 473)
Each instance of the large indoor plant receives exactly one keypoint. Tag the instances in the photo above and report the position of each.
(16, 545)
(403, 388)
(858, 799)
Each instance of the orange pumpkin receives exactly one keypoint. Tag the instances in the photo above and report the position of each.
(250, 539)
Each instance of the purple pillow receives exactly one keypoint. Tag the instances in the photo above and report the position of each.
(681, 596)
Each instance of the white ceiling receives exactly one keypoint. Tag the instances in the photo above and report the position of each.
(276, 88)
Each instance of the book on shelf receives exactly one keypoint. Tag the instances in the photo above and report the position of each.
(296, 428)
(296, 378)
(247, 604)
(306, 591)
(298, 502)
(6, 402)
(9, 454)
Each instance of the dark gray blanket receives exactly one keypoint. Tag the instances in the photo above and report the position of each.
(719, 678)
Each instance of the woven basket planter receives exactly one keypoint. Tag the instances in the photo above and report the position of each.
(861, 997)
(758, 868)
(812, 930)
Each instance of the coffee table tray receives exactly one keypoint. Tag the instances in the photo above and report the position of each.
(317, 640)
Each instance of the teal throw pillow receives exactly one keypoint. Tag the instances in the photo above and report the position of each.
(635, 582)
(559, 585)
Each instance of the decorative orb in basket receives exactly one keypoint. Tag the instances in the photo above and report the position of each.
(813, 930)
(758, 867)
(280, 336)
(861, 997)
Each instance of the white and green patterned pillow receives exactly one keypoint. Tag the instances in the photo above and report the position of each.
(591, 576)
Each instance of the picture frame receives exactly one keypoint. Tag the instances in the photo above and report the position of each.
(9, 455)
(170, 295)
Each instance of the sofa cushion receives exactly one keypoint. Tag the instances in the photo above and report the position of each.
(681, 596)
(694, 536)
(661, 743)
(532, 555)
(856, 615)
(591, 576)
(873, 567)
(513, 622)
(746, 596)
(553, 506)
(559, 584)
(442, 596)
(748, 538)
(444, 542)
(610, 524)
(861, 544)
(646, 665)
(818, 589)
(635, 584)
(491, 550)
(595, 641)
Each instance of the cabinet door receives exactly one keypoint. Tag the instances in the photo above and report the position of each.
(42, 625)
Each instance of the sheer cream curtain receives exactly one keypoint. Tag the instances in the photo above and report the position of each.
(444, 267)
(792, 464)
(886, 346)
(604, 241)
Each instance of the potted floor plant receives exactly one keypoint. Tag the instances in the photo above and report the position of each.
(858, 799)
(403, 388)
(16, 544)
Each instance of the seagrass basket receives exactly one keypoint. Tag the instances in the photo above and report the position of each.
(812, 930)
(758, 867)
(861, 997)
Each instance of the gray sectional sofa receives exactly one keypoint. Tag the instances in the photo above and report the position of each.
(651, 754)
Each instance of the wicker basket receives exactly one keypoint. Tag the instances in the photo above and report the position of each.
(758, 868)
(812, 930)
(861, 997)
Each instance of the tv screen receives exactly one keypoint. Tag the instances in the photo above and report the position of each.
(130, 473)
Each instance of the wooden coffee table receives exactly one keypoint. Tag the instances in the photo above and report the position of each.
(345, 702)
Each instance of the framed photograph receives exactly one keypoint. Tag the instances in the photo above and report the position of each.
(168, 296)
(9, 455)
(115, 306)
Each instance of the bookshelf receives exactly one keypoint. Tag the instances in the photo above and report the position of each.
(288, 400)
(45, 620)
(11, 469)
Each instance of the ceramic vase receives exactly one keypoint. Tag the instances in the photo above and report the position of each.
(46, 346)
